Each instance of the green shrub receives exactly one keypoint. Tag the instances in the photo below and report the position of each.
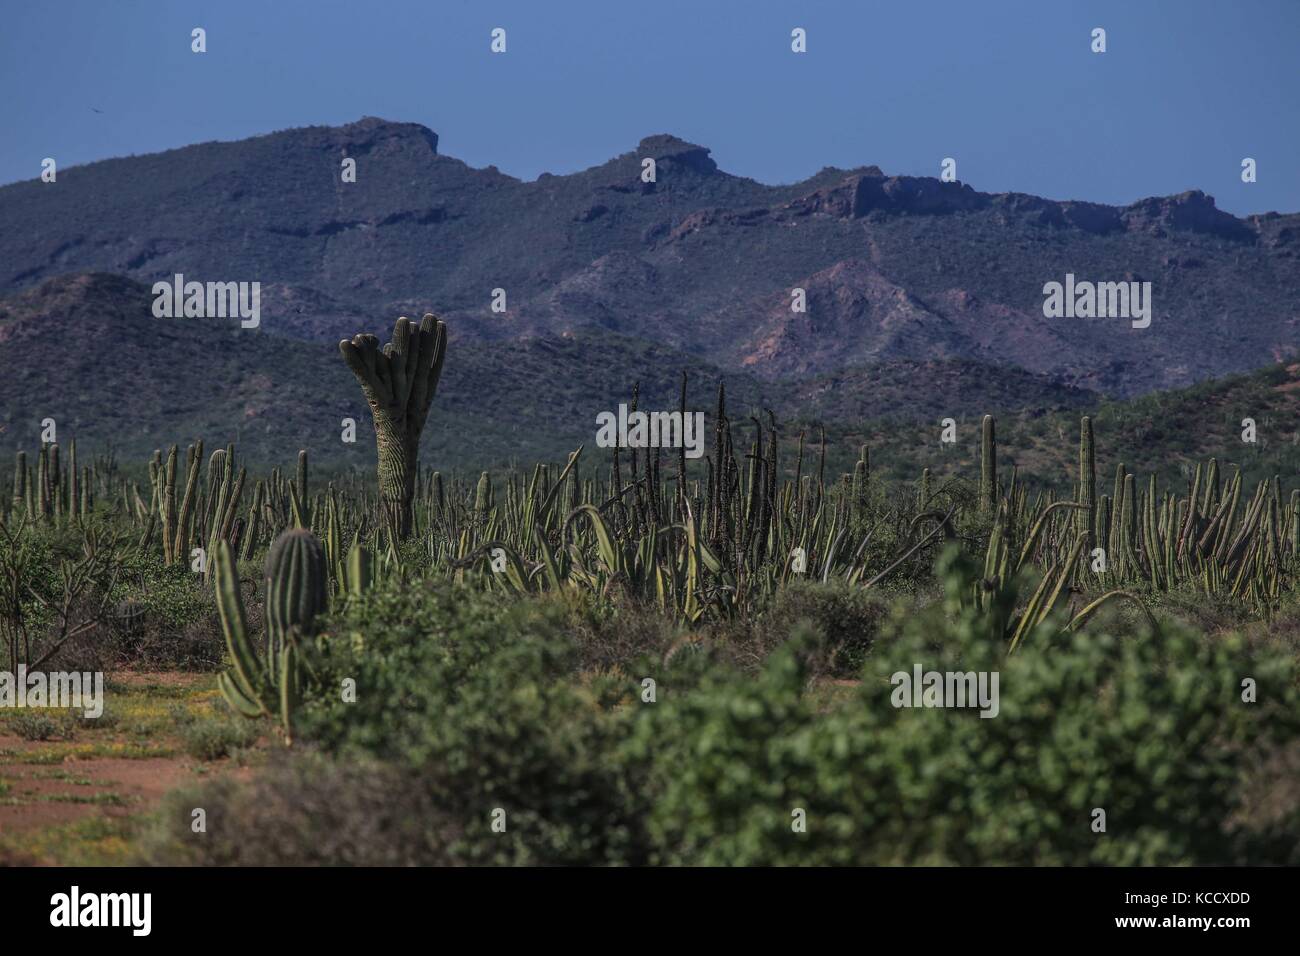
(109, 719)
(216, 735)
(847, 617)
(475, 694)
(42, 725)
(164, 619)
(304, 810)
(615, 634)
(1152, 729)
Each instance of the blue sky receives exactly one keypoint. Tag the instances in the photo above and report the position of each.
(1009, 88)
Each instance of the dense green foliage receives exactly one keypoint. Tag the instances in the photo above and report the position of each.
(1149, 726)
(477, 693)
(472, 705)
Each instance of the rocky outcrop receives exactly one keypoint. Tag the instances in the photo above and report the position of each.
(1192, 211)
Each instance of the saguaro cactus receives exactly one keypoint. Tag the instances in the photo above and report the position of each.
(399, 383)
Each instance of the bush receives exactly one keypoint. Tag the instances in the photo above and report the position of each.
(1151, 729)
(846, 616)
(475, 695)
(215, 735)
(617, 634)
(165, 620)
(109, 719)
(305, 810)
(42, 725)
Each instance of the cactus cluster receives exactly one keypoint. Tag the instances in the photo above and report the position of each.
(56, 491)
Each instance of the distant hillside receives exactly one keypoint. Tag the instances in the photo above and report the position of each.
(87, 351)
(699, 262)
(1165, 433)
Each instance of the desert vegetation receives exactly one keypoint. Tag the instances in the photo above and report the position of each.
(636, 659)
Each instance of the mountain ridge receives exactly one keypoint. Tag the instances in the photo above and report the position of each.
(700, 262)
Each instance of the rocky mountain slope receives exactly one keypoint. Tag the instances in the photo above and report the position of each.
(923, 298)
(895, 267)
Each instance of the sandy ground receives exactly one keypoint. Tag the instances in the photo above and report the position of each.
(47, 785)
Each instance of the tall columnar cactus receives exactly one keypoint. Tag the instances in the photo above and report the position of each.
(185, 516)
(73, 501)
(399, 383)
(1087, 519)
(438, 498)
(43, 482)
(988, 468)
(167, 507)
(20, 481)
(296, 592)
(483, 496)
(56, 494)
(1116, 511)
(298, 501)
(253, 530)
(87, 499)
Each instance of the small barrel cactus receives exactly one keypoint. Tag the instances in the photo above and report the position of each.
(296, 592)
(297, 585)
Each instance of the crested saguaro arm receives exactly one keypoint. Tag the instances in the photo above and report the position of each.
(399, 382)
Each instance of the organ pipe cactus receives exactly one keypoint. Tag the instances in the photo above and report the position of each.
(988, 467)
(399, 383)
(20, 481)
(167, 503)
(1295, 524)
(296, 586)
(185, 517)
(1087, 519)
(73, 500)
(298, 502)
